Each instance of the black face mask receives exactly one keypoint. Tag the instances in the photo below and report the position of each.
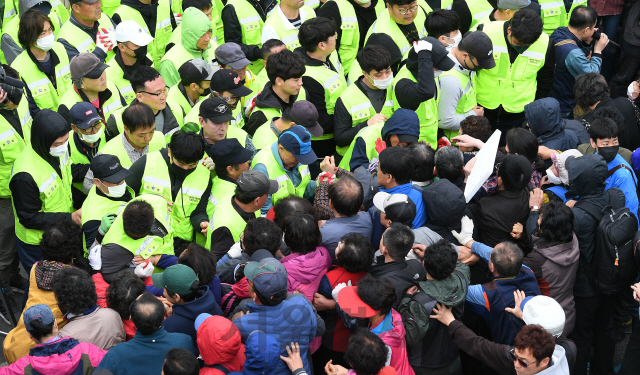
(179, 172)
(608, 153)
(141, 52)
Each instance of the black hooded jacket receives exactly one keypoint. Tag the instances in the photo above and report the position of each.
(46, 128)
(411, 94)
(444, 204)
(233, 29)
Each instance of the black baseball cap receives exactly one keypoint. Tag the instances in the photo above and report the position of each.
(257, 183)
(479, 45)
(84, 114)
(304, 113)
(228, 80)
(216, 110)
(439, 54)
(195, 71)
(229, 151)
(108, 168)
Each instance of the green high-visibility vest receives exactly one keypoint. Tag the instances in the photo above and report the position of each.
(173, 107)
(219, 189)
(156, 180)
(555, 15)
(58, 10)
(11, 146)
(163, 26)
(55, 190)
(369, 134)
(276, 172)
(109, 6)
(512, 85)
(350, 38)
(288, 36)
(176, 96)
(333, 83)
(226, 216)
(177, 56)
(251, 25)
(468, 99)
(427, 111)
(385, 24)
(258, 83)
(271, 113)
(96, 206)
(71, 97)
(79, 158)
(115, 74)
(116, 147)
(446, 4)
(42, 90)
(83, 41)
(150, 244)
(264, 136)
(361, 109)
(479, 9)
(25, 119)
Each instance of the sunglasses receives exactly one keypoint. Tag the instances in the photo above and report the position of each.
(516, 358)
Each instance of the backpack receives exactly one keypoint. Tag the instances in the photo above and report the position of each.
(219, 367)
(613, 267)
(229, 301)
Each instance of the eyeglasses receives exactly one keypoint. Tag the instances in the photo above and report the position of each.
(230, 100)
(404, 11)
(162, 93)
(94, 128)
(516, 358)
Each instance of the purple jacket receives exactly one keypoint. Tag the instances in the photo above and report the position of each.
(305, 271)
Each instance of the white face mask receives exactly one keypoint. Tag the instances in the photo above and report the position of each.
(59, 151)
(553, 178)
(91, 138)
(116, 191)
(46, 43)
(631, 91)
(382, 84)
(456, 41)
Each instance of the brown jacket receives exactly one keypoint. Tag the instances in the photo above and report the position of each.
(102, 328)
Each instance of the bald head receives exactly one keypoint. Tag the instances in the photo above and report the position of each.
(346, 196)
(507, 259)
(147, 313)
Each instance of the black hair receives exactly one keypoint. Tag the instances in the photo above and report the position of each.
(378, 293)
(346, 195)
(610, 112)
(356, 254)
(602, 128)
(507, 259)
(187, 147)
(402, 2)
(245, 197)
(301, 233)
(523, 142)
(10, 71)
(526, 26)
(374, 57)
(285, 65)
(180, 362)
(275, 299)
(221, 169)
(397, 162)
(137, 219)
(147, 313)
(515, 172)
(61, 242)
(201, 261)
(449, 162)
(589, 89)
(123, 290)
(398, 240)
(477, 127)
(442, 22)
(74, 290)
(423, 161)
(141, 76)
(191, 295)
(138, 116)
(366, 353)
(261, 233)
(440, 259)
(556, 224)
(198, 4)
(270, 44)
(288, 206)
(39, 330)
(583, 17)
(315, 31)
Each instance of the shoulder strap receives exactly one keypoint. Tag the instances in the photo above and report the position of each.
(591, 209)
(620, 166)
(566, 41)
(427, 302)
(219, 367)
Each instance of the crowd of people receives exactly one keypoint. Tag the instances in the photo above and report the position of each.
(352, 187)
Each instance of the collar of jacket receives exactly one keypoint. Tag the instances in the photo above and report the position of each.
(89, 30)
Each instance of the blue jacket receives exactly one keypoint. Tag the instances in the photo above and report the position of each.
(625, 181)
(545, 121)
(292, 320)
(416, 196)
(571, 60)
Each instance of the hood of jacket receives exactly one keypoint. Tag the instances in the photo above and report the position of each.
(194, 25)
(544, 118)
(190, 310)
(560, 160)
(563, 254)
(587, 175)
(559, 364)
(47, 126)
(451, 291)
(387, 42)
(307, 268)
(241, 288)
(403, 121)
(444, 204)
(395, 336)
(219, 341)
(54, 358)
(25, 5)
(263, 354)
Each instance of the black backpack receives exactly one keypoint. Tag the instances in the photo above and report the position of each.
(613, 267)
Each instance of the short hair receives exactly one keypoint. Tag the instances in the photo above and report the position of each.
(61, 242)
(423, 161)
(261, 233)
(610, 112)
(180, 362)
(374, 57)
(440, 259)
(137, 219)
(201, 261)
(123, 290)
(507, 259)
(39, 330)
(270, 44)
(285, 65)
(315, 31)
(288, 205)
(356, 254)
(398, 240)
(366, 353)
(378, 293)
(556, 224)
(301, 233)
(74, 290)
(523, 142)
(221, 169)
(346, 195)
(141, 76)
(589, 89)
(449, 162)
(11, 72)
(477, 127)
(138, 116)
(147, 313)
(602, 128)
(402, 2)
(536, 339)
(442, 22)
(187, 147)
(526, 26)
(583, 17)
(515, 172)
(397, 162)
(198, 4)
(275, 299)
(31, 26)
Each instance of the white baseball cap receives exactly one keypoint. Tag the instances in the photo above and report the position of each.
(130, 31)
(546, 312)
